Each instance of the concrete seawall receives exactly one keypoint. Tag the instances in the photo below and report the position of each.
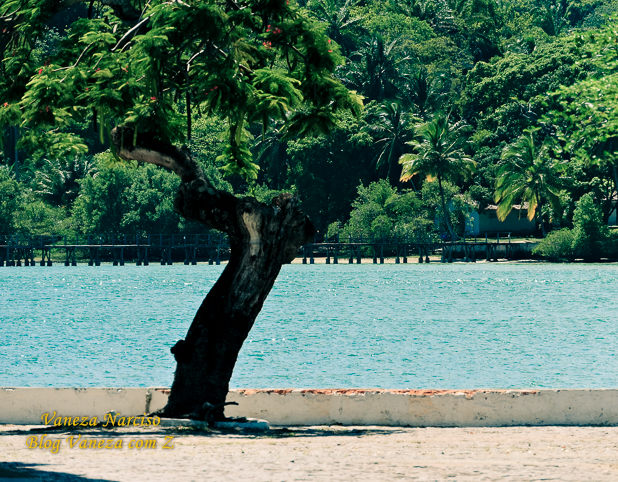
(411, 408)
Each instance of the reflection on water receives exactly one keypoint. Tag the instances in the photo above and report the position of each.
(387, 326)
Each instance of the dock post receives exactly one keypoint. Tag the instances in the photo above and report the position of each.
(97, 259)
(91, 256)
(197, 243)
(66, 252)
(405, 251)
(327, 255)
(351, 260)
(304, 255)
(49, 261)
(311, 261)
(336, 255)
(138, 253)
(73, 260)
(115, 256)
(184, 242)
(375, 251)
(146, 252)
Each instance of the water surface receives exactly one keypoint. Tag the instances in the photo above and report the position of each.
(388, 326)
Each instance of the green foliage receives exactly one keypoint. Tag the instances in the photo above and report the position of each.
(589, 239)
(34, 217)
(456, 216)
(527, 175)
(439, 155)
(507, 96)
(381, 211)
(126, 200)
(57, 181)
(392, 128)
(10, 193)
(327, 170)
(228, 62)
(589, 232)
(557, 246)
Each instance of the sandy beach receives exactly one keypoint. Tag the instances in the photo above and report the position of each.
(313, 453)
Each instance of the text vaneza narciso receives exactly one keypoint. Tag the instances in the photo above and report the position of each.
(109, 420)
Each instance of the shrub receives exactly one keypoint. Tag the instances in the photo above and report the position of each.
(589, 232)
(557, 246)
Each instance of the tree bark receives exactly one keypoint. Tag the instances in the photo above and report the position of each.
(262, 239)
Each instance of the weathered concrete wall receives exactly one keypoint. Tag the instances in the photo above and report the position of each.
(414, 408)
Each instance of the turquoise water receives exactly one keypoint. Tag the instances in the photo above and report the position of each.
(389, 326)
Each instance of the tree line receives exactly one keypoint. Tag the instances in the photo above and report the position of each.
(468, 104)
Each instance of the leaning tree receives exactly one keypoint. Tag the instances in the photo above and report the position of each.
(139, 71)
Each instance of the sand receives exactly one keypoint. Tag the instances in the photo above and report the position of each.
(318, 453)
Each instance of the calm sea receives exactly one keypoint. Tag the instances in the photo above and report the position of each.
(389, 326)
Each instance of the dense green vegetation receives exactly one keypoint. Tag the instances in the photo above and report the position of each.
(468, 104)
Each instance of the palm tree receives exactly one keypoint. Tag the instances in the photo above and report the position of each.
(423, 91)
(376, 70)
(270, 152)
(392, 128)
(58, 179)
(527, 175)
(338, 19)
(439, 155)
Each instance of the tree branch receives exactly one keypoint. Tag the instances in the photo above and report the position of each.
(132, 32)
(197, 199)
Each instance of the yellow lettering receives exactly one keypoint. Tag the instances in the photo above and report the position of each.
(83, 444)
(150, 444)
(72, 440)
(75, 421)
(58, 421)
(46, 418)
(129, 420)
(108, 443)
(100, 444)
(93, 422)
(92, 444)
(122, 421)
(156, 421)
(56, 446)
(118, 444)
(168, 441)
(47, 445)
(131, 444)
(108, 417)
(83, 422)
(31, 442)
(65, 421)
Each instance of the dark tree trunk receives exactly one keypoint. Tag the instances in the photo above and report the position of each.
(262, 239)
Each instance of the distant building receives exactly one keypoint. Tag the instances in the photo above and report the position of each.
(487, 222)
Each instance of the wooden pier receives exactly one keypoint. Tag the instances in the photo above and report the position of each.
(165, 249)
